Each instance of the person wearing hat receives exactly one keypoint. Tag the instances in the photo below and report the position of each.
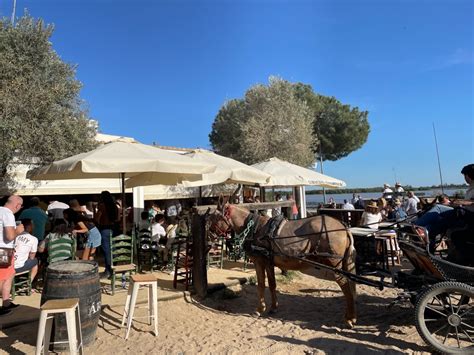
(468, 172)
(399, 191)
(398, 188)
(387, 192)
(371, 216)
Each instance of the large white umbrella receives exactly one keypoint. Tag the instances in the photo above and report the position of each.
(228, 171)
(122, 159)
(284, 173)
(125, 160)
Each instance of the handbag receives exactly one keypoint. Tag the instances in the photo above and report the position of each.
(6, 256)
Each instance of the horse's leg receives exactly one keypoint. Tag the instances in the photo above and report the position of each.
(348, 287)
(260, 269)
(270, 269)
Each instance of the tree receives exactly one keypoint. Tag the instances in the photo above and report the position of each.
(268, 122)
(41, 115)
(339, 128)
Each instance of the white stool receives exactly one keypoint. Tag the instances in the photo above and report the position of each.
(69, 306)
(151, 282)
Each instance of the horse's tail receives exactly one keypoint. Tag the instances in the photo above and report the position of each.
(349, 261)
(350, 255)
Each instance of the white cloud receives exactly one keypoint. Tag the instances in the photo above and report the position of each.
(458, 57)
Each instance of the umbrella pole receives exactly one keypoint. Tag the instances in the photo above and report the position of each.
(124, 223)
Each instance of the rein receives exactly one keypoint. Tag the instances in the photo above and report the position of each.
(251, 225)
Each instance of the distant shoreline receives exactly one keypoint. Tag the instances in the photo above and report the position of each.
(378, 189)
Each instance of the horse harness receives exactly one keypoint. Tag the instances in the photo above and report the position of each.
(255, 245)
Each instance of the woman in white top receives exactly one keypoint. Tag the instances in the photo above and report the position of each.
(371, 216)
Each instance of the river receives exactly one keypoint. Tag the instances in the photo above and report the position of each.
(314, 200)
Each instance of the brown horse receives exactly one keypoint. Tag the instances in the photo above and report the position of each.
(322, 239)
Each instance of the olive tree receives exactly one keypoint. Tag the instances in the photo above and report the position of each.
(42, 117)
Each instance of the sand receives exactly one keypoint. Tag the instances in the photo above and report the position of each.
(309, 321)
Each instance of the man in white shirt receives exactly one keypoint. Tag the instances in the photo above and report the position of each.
(8, 232)
(411, 207)
(387, 192)
(26, 246)
(347, 205)
(157, 229)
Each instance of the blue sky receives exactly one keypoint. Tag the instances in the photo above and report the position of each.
(160, 70)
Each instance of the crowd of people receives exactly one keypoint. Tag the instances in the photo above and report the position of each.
(25, 242)
(46, 232)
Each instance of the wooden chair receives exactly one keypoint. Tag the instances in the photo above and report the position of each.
(183, 271)
(215, 255)
(61, 249)
(21, 283)
(144, 249)
(121, 250)
(68, 306)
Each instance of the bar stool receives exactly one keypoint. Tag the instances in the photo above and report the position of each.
(136, 281)
(68, 306)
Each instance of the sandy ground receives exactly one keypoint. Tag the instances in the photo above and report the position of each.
(309, 321)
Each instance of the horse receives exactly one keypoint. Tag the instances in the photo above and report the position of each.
(321, 239)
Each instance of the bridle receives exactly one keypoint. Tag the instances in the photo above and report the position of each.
(223, 215)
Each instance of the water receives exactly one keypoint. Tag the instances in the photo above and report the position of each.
(314, 200)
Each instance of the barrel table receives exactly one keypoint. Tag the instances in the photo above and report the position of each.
(74, 279)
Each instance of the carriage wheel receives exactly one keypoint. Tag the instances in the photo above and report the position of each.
(445, 317)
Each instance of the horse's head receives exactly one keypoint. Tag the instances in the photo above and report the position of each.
(219, 219)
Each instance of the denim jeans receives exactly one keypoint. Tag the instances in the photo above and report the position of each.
(106, 234)
(437, 220)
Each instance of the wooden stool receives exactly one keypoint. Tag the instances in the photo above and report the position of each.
(69, 306)
(392, 248)
(136, 281)
(21, 282)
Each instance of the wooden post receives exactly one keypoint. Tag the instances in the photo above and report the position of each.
(199, 255)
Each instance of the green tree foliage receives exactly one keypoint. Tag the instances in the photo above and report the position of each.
(268, 122)
(41, 114)
(340, 128)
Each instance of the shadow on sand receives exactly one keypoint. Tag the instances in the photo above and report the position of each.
(310, 309)
(28, 336)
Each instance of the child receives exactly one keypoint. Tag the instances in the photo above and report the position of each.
(144, 223)
(58, 243)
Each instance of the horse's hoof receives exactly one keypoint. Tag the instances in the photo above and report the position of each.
(273, 310)
(350, 323)
(258, 314)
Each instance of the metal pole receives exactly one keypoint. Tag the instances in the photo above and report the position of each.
(321, 156)
(13, 12)
(124, 220)
(439, 163)
(322, 172)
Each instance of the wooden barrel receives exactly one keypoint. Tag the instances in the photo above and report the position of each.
(74, 279)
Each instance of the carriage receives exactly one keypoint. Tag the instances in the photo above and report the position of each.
(441, 291)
